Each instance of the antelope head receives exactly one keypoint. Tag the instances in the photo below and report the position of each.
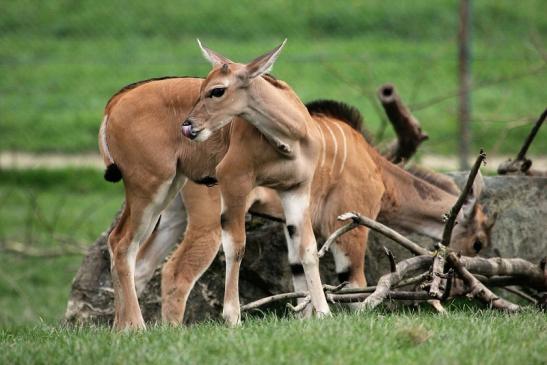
(225, 92)
(472, 233)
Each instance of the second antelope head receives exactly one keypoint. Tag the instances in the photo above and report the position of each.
(225, 92)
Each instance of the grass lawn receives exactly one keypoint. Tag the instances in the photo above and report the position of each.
(464, 336)
(59, 64)
(47, 209)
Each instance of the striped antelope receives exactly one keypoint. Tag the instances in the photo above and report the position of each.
(233, 89)
(132, 142)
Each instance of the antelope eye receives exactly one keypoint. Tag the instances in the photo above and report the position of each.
(217, 92)
(477, 246)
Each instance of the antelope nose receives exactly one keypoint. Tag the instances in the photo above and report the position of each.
(187, 129)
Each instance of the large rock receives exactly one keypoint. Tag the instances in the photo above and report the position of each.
(519, 202)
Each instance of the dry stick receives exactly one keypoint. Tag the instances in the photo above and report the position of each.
(357, 220)
(334, 236)
(521, 163)
(387, 281)
(329, 289)
(528, 274)
(478, 289)
(392, 264)
(300, 307)
(520, 293)
(451, 220)
(440, 258)
(406, 126)
(439, 261)
(396, 295)
(274, 298)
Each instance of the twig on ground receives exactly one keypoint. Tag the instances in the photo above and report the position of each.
(437, 272)
(451, 220)
(479, 290)
(390, 294)
(301, 306)
(529, 275)
(334, 236)
(521, 165)
(273, 298)
(520, 293)
(358, 219)
(436, 304)
(388, 281)
(392, 264)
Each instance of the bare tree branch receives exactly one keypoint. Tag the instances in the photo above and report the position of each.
(478, 289)
(521, 165)
(358, 219)
(451, 221)
(406, 126)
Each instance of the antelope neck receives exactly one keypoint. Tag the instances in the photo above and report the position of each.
(277, 113)
(413, 203)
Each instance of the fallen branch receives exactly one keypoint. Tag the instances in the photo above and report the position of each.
(521, 165)
(358, 219)
(451, 220)
(390, 294)
(520, 293)
(479, 290)
(406, 126)
(273, 298)
(531, 275)
(300, 307)
(329, 289)
(388, 281)
(437, 272)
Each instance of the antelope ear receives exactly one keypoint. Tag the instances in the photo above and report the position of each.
(471, 200)
(214, 58)
(263, 64)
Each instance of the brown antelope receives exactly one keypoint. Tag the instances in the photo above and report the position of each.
(140, 137)
(236, 90)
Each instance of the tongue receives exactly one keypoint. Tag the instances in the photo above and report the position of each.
(187, 130)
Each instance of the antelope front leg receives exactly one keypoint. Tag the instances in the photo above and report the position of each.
(233, 243)
(300, 235)
(297, 270)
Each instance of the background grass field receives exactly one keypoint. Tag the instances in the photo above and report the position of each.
(61, 60)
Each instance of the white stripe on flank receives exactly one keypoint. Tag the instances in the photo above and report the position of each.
(335, 147)
(322, 143)
(345, 148)
(102, 132)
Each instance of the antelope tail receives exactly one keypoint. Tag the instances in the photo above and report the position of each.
(112, 172)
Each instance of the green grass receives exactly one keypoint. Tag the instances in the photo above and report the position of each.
(48, 211)
(60, 62)
(73, 206)
(464, 336)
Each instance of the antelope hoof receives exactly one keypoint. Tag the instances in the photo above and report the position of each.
(132, 325)
(323, 314)
(232, 318)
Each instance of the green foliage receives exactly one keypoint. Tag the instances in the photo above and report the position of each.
(61, 60)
